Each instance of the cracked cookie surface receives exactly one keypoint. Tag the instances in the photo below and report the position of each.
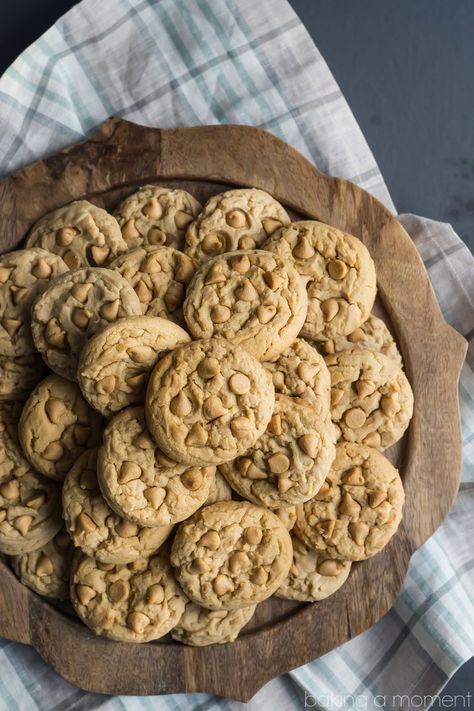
(289, 462)
(115, 363)
(254, 299)
(159, 276)
(24, 276)
(138, 602)
(81, 233)
(57, 425)
(140, 482)
(357, 510)
(234, 220)
(371, 398)
(300, 371)
(94, 527)
(312, 577)
(339, 272)
(372, 335)
(208, 401)
(19, 375)
(156, 215)
(74, 308)
(231, 554)
(199, 627)
(46, 570)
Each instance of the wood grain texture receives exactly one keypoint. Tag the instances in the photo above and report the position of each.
(283, 635)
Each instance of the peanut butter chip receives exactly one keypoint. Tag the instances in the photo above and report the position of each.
(54, 334)
(11, 325)
(222, 585)
(329, 567)
(353, 477)
(192, 479)
(337, 269)
(259, 576)
(99, 254)
(238, 562)
(81, 318)
(184, 270)
(236, 218)
(240, 426)
(153, 209)
(36, 500)
(210, 540)
(106, 385)
(336, 395)
(55, 410)
(270, 225)
(44, 566)
(4, 274)
(303, 249)
(10, 490)
(274, 426)
(253, 535)
(85, 594)
(215, 275)
(266, 313)
(284, 484)
(364, 388)
(274, 281)
(156, 236)
(329, 308)
(212, 244)
(180, 405)
(247, 242)
(155, 594)
(174, 296)
(72, 260)
(197, 435)
(128, 472)
(138, 622)
(110, 310)
(85, 524)
(141, 354)
(182, 219)
(88, 480)
(309, 444)
(355, 417)
(119, 591)
(129, 231)
(200, 566)
(220, 314)
(240, 264)
(278, 463)
(357, 336)
(18, 293)
(126, 529)
(246, 291)
(376, 498)
(306, 372)
(348, 506)
(53, 452)
(390, 406)
(213, 408)
(64, 236)
(23, 523)
(155, 495)
(41, 270)
(373, 439)
(359, 532)
(326, 528)
(239, 384)
(208, 368)
(150, 265)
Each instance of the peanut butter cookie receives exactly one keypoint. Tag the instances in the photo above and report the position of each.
(312, 577)
(81, 233)
(74, 308)
(300, 371)
(208, 402)
(19, 375)
(140, 482)
(94, 527)
(199, 627)
(159, 276)
(291, 459)
(137, 602)
(231, 554)
(339, 272)
(372, 335)
(236, 219)
(46, 570)
(115, 364)
(254, 299)
(371, 398)
(24, 275)
(56, 426)
(154, 215)
(357, 510)
(287, 515)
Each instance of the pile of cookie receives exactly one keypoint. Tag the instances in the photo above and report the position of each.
(194, 405)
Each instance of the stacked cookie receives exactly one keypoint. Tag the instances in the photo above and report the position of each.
(194, 405)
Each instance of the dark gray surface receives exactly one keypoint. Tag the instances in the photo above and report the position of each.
(406, 68)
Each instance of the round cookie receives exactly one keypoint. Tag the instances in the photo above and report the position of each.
(46, 570)
(219, 491)
(159, 276)
(207, 402)
(312, 577)
(24, 275)
(231, 554)
(12, 459)
(290, 461)
(154, 215)
(300, 371)
(340, 276)
(19, 375)
(74, 308)
(140, 482)
(371, 398)
(236, 219)
(137, 602)
(94, 527)
(115, 363)
(357, 510)
(199, 627)
(56, 426)
(372, 335)
(81, 233)
(254, 299)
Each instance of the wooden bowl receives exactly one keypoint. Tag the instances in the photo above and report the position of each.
(283, 635)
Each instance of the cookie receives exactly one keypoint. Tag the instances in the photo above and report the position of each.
(287, 515)
(115, 363)
(12, 459)
(236, 219)
(290, 461)
(231, 554)
(81, 233)
(372, 335)
(24, 275)
(137, 602)
(371, 398)
(340, 275)
(300, 371)
(46, 570)
(94, 527)
(312, 577)
(74, 308)
(140, 482)
(208, 401)
(19, 375)
(154, 215)
(254, 299)
(199, 627)
(56, 426)
(159, 276)
(219, 491)
(357, 510)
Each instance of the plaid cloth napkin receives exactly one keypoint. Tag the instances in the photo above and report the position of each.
(186, 62)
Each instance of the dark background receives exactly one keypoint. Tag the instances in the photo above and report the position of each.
(406, 67)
